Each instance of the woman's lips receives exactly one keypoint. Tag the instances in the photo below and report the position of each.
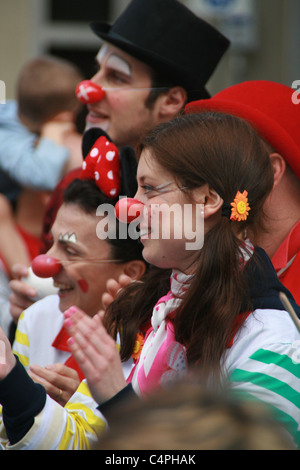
(63, 287)
(144, 233)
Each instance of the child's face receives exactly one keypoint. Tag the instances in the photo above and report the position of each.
(165, 226)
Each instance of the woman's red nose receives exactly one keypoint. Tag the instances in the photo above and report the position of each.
(128, 209)
(45, 266)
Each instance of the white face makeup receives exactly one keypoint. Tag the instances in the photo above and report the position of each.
(114, 61)
(68, 237)
(102, 53)
(119, 64)
(127, 82)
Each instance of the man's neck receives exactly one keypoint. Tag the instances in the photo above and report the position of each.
(275, 234)
(282, 212)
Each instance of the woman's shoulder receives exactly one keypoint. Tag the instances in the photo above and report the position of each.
(274, 323)
(263, 329)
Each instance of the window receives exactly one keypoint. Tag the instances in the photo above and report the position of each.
(78, 10)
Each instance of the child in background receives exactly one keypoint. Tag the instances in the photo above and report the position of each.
(38, 135)
(39, 144)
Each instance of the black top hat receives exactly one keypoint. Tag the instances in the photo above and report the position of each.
(170, 38)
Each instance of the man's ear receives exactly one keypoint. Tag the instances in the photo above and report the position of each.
(135, 268)
(171, 103)
(279, 167)
(210, 198)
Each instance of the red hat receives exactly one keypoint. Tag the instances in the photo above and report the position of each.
(268, 107)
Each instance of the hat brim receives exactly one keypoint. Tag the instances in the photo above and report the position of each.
(167, 68)
(267, 127)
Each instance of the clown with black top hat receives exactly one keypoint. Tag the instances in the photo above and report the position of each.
(155, 57)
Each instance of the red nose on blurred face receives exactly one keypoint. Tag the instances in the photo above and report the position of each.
(45, 266)
(128, 209)
(89, 92)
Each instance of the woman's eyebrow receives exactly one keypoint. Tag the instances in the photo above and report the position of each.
(70, 239)
(80, 249)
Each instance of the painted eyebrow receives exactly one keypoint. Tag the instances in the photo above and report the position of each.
(67, 242)
(64, 242)
(114, 61)
(68, 237)
(119, 64)
(101, 53)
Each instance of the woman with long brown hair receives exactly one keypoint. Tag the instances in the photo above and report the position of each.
(206, 177)
(220, 315)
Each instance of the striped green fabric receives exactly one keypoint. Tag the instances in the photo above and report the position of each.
(286, 420)
(282, 360)
(284, 400)
(269, 383)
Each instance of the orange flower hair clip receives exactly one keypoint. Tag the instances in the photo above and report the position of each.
(240, 207)
(138, 345)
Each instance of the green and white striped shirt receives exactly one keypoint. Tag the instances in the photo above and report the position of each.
(264, 364)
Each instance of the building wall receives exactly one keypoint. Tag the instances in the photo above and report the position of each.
(24, 33)
(16, 39)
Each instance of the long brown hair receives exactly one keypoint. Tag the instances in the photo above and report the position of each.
(225, 152)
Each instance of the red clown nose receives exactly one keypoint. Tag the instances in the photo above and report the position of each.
(45, 266)
(128, 209)
(89, 92)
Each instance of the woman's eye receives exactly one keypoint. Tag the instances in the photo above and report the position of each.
(70, 252)
(148, 189)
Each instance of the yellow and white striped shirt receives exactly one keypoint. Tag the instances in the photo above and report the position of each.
(77, 426)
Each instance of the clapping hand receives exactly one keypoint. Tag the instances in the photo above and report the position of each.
(96, 353)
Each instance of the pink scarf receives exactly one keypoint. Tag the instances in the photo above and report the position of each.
(163, 359)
